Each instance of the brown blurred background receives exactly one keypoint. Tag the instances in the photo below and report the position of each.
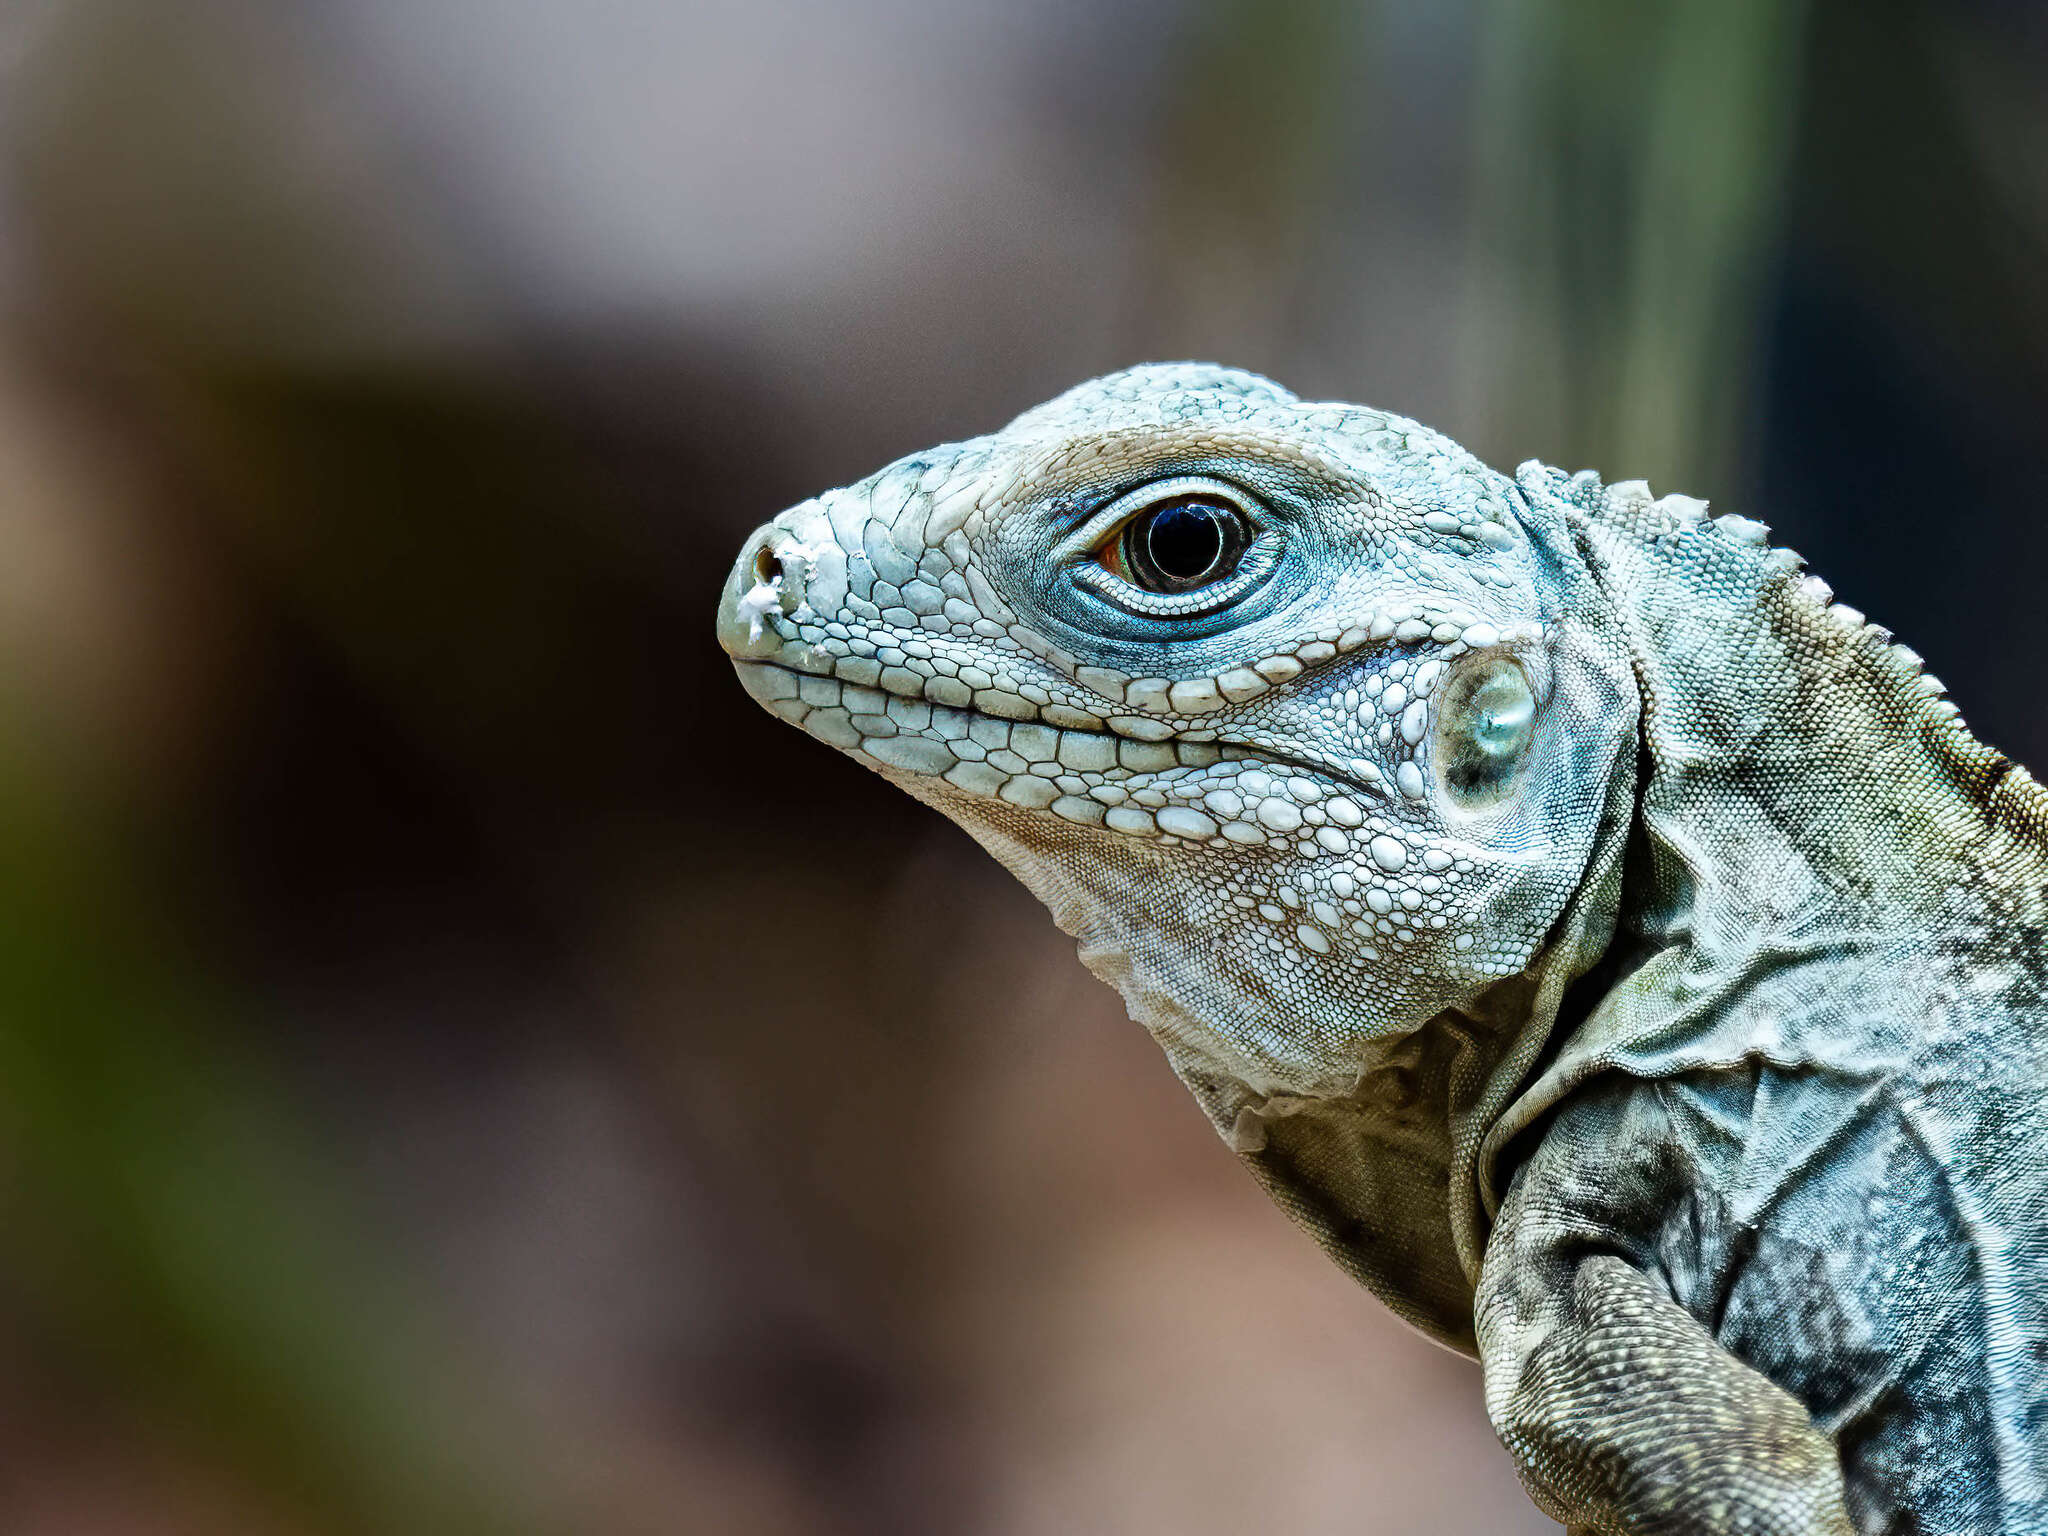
(463, 1068)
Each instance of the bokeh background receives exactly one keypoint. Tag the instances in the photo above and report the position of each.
(463, 1068)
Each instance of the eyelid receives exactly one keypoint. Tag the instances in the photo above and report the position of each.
(1102, 525)
(1260, 556)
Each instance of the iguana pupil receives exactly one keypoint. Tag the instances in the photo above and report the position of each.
(1182, 545)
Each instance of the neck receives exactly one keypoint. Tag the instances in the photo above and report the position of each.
(1814, 821)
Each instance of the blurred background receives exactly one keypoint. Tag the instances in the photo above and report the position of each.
(464, 1068)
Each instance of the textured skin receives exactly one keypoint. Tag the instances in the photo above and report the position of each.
(1696, 1086)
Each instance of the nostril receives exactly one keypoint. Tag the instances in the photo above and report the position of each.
(771, 578)
(768, 584)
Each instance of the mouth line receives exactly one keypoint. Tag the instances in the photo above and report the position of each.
(1265, 754)
(870, 709)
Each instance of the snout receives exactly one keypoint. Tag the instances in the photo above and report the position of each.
(767, 580)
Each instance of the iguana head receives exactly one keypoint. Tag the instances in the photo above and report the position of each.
(1277, 705)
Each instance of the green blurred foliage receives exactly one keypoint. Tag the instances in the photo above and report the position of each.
(174, 1232)
(1632, 163)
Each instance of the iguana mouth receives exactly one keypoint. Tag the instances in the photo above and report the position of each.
(1090, 777)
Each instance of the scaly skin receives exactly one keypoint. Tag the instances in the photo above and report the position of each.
(1688, 1070)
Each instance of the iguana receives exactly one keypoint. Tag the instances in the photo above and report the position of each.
(1618, 955)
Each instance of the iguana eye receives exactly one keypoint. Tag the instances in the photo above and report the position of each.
(1487, 721)
(1178, 546)
(1175, 549)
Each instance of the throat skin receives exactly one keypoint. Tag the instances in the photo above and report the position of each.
(1384, 1177)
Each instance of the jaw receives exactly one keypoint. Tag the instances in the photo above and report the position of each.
(1143, 926)
(1087, 778)
(1233, 996)
(1271, 920)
